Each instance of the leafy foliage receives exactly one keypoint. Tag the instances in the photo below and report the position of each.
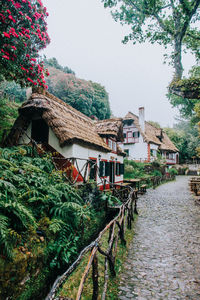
(41, 216)
(185, 137)
(143, 170)
(8, 114)
(23, 32)
(13, 90)
(86, 96)
(52, 62)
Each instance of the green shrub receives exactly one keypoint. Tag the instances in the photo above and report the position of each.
(41, 216)
(173, 171)
(156, 173)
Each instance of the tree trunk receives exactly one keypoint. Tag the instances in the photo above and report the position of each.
(177, 58)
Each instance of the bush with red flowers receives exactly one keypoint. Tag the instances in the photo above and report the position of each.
(23, 32)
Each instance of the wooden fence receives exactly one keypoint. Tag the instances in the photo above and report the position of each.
(195, 185)
(121, 222)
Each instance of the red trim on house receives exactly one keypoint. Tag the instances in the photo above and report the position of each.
(93, 158)
(107, 187)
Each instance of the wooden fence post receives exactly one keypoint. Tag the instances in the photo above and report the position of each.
(121, 232)
(95, 277)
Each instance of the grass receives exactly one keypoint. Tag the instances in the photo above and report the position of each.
(70, 287)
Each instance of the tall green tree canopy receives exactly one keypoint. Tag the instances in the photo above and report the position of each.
(23, 33)
(52, 62)
(186, 139)
(86, 96)
(167, 22)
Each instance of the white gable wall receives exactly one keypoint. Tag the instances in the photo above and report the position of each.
(137, 151)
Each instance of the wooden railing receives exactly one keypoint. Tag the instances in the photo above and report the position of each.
(195, 185)
(116, 230)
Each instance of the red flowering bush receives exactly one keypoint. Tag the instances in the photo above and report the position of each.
(23, 32)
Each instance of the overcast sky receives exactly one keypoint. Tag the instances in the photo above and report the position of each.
(85, 38)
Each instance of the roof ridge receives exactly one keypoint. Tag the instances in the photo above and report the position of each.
(61, 102)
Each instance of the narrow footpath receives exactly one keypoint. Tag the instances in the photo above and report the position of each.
(164, 257)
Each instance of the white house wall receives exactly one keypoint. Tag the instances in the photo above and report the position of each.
(86, 152)
(77, 151)
(153, 146)
(137, 151)
(53, 142)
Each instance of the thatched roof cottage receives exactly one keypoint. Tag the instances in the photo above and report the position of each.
(144, 142)
(44, 119)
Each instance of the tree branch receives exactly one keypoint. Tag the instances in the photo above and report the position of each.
(193, 36)
(186, 23)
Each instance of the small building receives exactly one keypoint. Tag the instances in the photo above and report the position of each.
(84, 148)
(144, 142)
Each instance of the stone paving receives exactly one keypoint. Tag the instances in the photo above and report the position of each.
(164, 257)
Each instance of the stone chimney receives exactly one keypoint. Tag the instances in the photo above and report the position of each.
(141, 118)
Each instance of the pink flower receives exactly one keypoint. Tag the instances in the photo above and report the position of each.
(14, 47)
(29, 79)
(17, 5)
(6, 57)
(8, 11)
(11, 18)
(6, 35)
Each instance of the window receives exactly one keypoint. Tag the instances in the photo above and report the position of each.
(124, 135)
(126, 151)
(102, 168)
(117, 169)
(121, 169)
(114, 146)
(136, 134)
(107, 168)
(110, 143)
(92, 169)
(40, 131)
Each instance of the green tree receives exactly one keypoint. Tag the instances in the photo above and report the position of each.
(185, 137)
(23, 31)
(185, 94)
(8, 115)
(155, 124)
(86, 96)
(167, 22)
(52, 62)
(11, 88)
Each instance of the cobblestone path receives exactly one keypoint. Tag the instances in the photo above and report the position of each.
(164, 257)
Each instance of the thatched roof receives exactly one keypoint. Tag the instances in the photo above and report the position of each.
(152, 134)
(167, 144)
(111, 127)
(68, 124)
